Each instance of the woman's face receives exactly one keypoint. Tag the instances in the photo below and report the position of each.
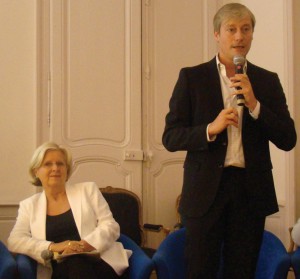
(53, 170)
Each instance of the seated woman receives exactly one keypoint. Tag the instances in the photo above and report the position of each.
(66, 219)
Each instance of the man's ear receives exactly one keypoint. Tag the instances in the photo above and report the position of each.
(217, 36)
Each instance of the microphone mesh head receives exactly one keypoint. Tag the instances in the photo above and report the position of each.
(238, 60)
(47, 255)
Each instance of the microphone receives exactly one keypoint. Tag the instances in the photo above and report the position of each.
(47, 256)
(239, 62)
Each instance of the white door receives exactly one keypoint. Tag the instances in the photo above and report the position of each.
(173, 37)
(93, 97)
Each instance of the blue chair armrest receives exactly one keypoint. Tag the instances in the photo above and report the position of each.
(8, 266)
(140, 265)
(295, 259)
(169, 257)
(273, 261)
(26, 267)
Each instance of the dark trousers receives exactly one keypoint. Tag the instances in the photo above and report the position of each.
(79, 267)
(225, 242)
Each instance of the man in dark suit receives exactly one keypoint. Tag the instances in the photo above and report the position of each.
(228, 187)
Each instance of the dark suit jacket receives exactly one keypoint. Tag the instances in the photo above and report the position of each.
(196, 102)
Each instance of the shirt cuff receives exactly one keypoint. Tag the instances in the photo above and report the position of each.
(255, 113)
(209, 139)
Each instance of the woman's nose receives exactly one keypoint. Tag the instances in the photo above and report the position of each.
(55, 166)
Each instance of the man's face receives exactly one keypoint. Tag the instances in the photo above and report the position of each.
(235, 38)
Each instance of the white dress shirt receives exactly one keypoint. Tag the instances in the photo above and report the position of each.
(235, 153)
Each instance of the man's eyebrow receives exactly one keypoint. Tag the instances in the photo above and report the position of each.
(234, 24)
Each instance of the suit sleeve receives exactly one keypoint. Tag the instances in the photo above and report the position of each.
(180, 132)
(21, 240)
(106, 230)
(275, 118)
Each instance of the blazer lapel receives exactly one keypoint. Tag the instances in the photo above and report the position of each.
(246, 114)
(215, 88)
(39, 219)
(74, 198)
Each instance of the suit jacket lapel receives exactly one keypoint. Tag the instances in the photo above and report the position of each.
(40, 217)
(74, 198)
(215, 87)
(246, 114)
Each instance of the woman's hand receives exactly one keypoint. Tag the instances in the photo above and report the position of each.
(58, 247)
(86, 246)
(71, 247)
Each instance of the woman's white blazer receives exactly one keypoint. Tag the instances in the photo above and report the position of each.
(93, 219)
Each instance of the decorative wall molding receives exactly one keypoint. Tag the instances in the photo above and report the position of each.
(59, 11)
(8, 211)
(66, 107)
(101, 159)
(8, 214)
(118, 168)
(290, 89)
(209, 45)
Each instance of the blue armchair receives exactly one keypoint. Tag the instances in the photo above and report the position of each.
(26, 267)
(140, 265)
(295, 259)
(274, 261)
(8, 266)
(294, 252)
(169, 257)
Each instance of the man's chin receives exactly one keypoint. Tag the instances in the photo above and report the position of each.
(239, 52)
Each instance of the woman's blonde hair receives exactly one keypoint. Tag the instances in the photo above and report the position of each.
(39, 155)
(232, 10)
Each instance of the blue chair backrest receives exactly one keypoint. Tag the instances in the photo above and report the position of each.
(273, 262)
(27, 267)
(170, 263)
(295, 258)
(8, 266)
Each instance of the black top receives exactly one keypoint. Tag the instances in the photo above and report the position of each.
(61, 227)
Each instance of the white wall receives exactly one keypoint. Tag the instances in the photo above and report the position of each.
(296, 59)
(17, 113)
